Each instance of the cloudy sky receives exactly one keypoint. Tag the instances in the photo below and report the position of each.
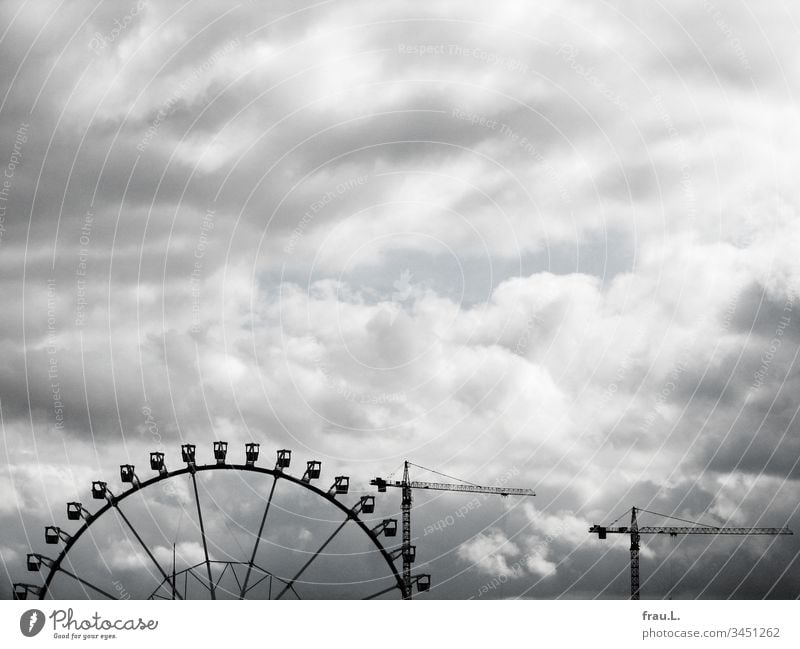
(549, 245)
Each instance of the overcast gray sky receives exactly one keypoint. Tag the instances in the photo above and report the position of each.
(552, 244)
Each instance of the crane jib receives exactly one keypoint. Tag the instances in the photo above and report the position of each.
(441, 486)
(674, 531)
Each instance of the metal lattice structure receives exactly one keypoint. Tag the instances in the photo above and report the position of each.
(635, 532)
(168, 588)
(408, 552)
(183, 580)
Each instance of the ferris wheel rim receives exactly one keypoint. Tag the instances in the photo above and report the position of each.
(113, 500)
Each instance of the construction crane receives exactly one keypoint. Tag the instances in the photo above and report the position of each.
(635, 533)
(408, 551)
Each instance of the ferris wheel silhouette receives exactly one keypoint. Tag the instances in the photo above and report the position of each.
(231, 577)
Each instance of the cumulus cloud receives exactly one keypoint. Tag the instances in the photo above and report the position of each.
(491, 553)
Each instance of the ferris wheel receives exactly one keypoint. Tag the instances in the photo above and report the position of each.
(143, 566)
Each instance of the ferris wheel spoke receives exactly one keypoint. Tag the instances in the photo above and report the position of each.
(144, 546)
(290, 584)
(244, 588)
(86, 583)
(203, 535)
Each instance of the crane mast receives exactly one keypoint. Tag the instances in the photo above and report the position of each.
(635, 532)
(408, 551)
(634, 555)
